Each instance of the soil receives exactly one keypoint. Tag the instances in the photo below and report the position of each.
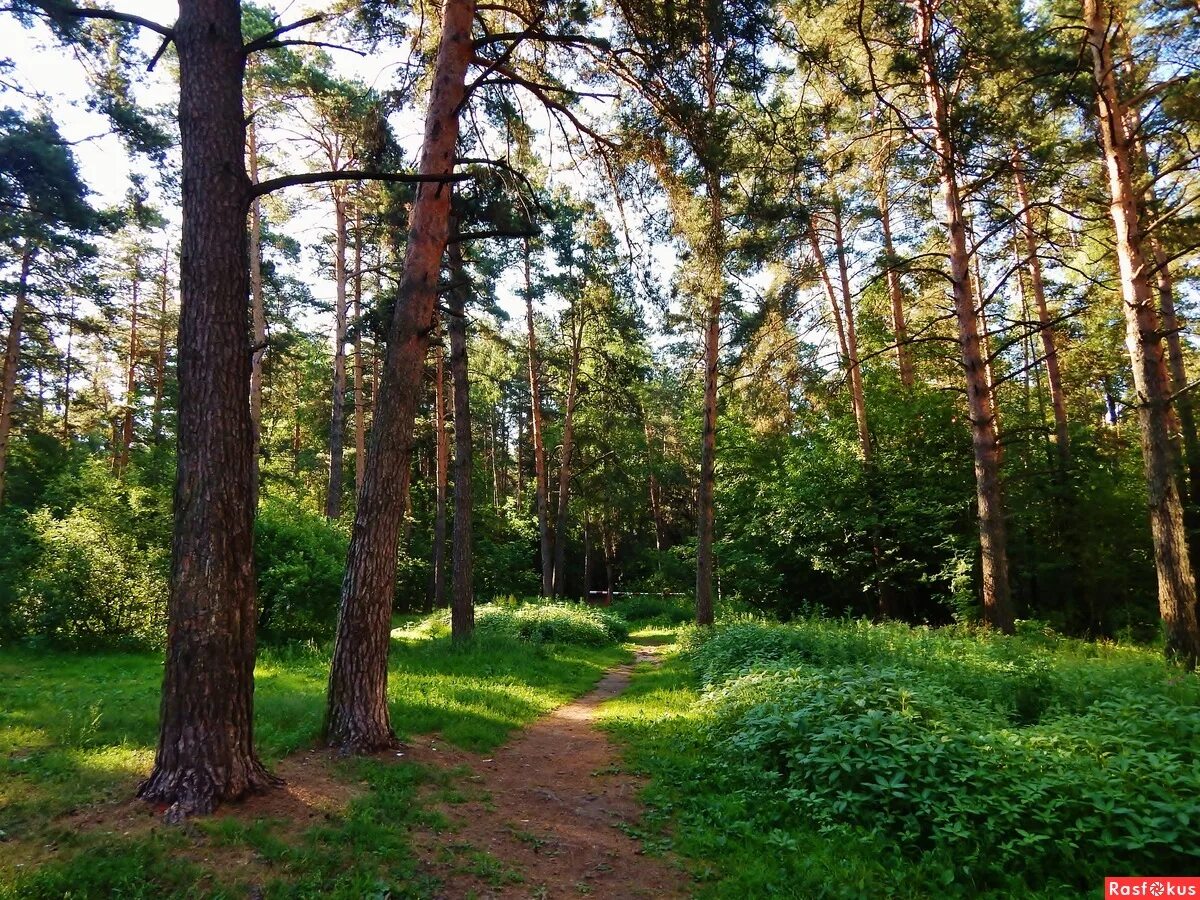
(548, 810)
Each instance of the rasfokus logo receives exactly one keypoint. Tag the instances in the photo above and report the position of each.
(1152, 886)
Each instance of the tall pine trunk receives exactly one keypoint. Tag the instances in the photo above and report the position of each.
(1037, 286)
(895, 288)
(130, 370)
(160, 357)
(564, 465)
(360, 400)
(357, 713)
(1179, 380)
(1176, 584)
(539, 442)
(442, 463)
(993, 541)
(337, 419)
(462, 605)
(12, 356)
(205, 746)
(258, 315)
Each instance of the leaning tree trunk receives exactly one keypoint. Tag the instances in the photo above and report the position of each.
(539, 443)
(564, 466)
(1037, 285)
(337, 419)
(205, 746)
(462, 605)
(1176, 584)
(12, 355)
(442, 462)
(835, 309)
(997, 601)
(357, 714)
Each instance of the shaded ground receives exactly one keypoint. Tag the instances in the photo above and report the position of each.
(546, 815)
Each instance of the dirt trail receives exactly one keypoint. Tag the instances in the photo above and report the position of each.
(546, 809)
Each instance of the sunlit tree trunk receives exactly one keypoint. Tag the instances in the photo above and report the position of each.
(1033, 263)
(337, 421)
(564, 465)
(462, 604)
(205, 746)
(12, 355)
(1176, 584)
(357, 715)
(996, 596)
(539, 444)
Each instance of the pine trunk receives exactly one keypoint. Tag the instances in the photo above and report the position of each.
(1176, 584)
(462, 606)
(258, 316)
(12, 356)
(539, 444)
(1038, 289)
(337, 420)
(835, 310)
(997, 600)
(130, 373)
(442, 462)
(360, 400)
(895, 288)
(205, 747)
(564, 466)
(357, 716)
(1179, 380)
(160, 358)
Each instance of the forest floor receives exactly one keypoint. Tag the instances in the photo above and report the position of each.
(548, 814)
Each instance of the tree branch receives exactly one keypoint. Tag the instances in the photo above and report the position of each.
(274, 184)
(266, 41)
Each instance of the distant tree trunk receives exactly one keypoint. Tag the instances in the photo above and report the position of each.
(564, 466)
(462, 608)
(68, 364)
(258, 315)
(1037, 286)
(130, 371)
(160, 358)
(442, 457)
(357, 716)
(997, 600)
(587, 557)
(205, 747)
(539, 444)
(610, 557)
(895, 289)
(1178, 370)
(835, 309)
(337, 421)
(1176, 584)
(360, 400)
(655, 498)
(12, 355)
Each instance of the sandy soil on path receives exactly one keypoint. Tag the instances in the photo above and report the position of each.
(543, 814)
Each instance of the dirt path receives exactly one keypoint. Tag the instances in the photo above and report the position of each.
(543, 814)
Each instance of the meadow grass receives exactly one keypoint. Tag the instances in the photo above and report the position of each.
(78, 729)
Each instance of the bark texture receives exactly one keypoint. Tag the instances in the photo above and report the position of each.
(12, 356)
(996, 595)
(1176, 584)
(205, 748)
(357, 713)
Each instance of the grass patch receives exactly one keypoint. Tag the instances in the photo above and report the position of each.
(845, 759)
(79, 729)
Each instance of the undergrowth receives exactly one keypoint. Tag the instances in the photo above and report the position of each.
(841, 758)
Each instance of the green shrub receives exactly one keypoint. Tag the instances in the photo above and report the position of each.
(92, 585)
(300, 558)
(655, 608)
(543, 623)
(1034, 760)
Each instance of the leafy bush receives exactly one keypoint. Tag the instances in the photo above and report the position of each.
(300, 558)
(655, 608)
(92, 585)
(1035, 761)
(547, 623)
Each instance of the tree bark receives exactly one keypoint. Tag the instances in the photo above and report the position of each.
(12, 356)
(360, 400)
(895, 288)
(462, 605)
(564, 466)
(1037, 287)
(539, 443)
(337, 419)
(997, 601)
(835, 310)
(442, 461)
(1179, 379)
(357, 716)
(205, 748)
(1176, 584)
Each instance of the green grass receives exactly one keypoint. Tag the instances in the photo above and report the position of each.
(79, 729)
(832, 759)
